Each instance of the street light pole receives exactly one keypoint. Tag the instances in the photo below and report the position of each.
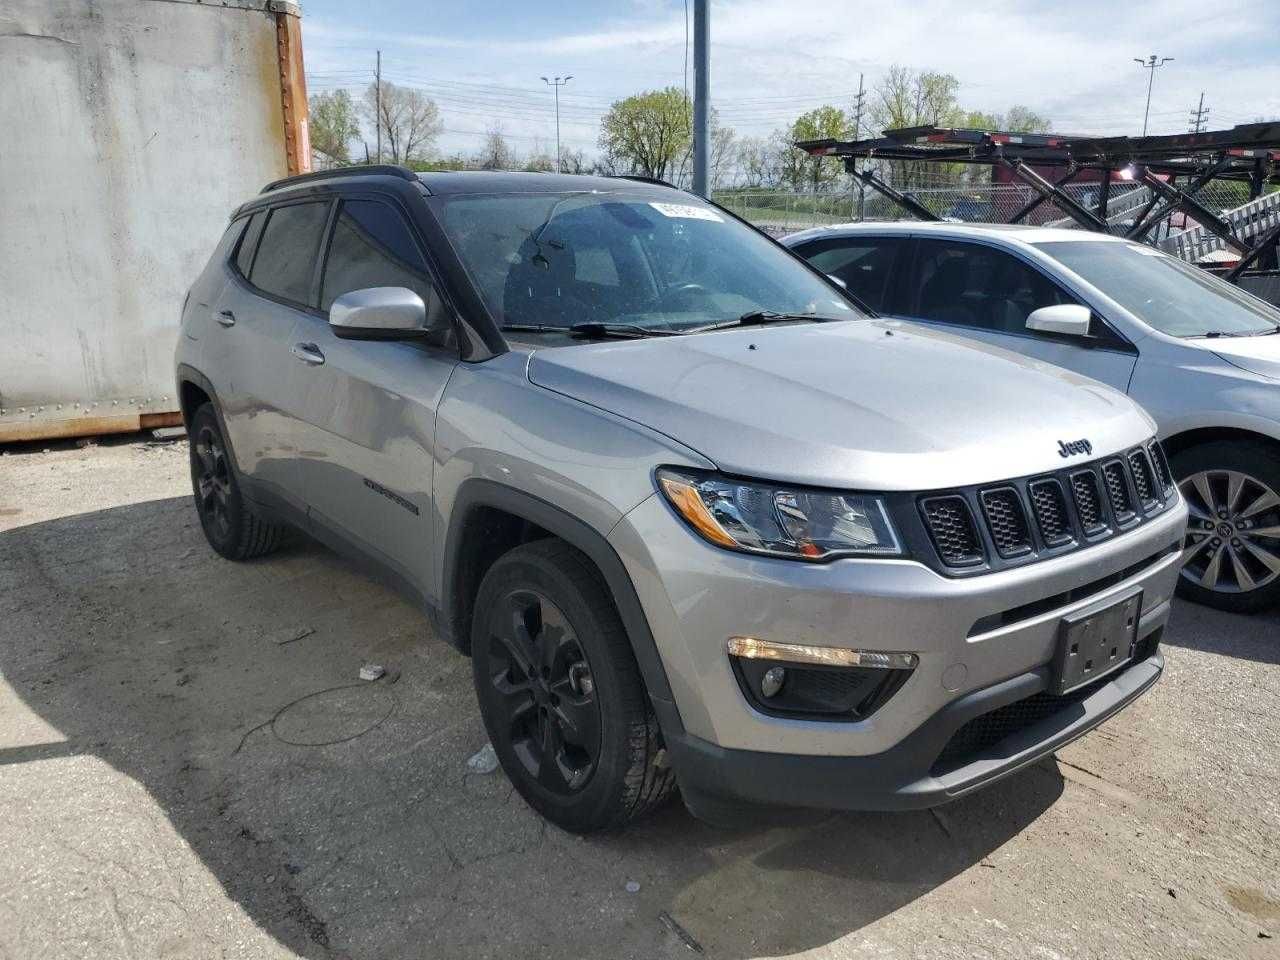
(558, 82)
(701, 97)
(1151, 64)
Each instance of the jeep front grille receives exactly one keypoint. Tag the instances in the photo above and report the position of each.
(1007, 521)
(1050, 507)
(1144, 480)
(997, 525)
(1084, 488)
(1113, 475)
(951, 527)
(1163, 473)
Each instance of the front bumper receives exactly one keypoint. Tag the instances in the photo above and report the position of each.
(906, 776)
(982, 642)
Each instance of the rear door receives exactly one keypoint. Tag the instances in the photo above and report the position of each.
(367, 408)
(987, 293)
(247, 350)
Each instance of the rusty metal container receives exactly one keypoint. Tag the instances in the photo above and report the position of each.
(131, 129)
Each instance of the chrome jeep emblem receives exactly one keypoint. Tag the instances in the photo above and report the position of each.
(1069, 448)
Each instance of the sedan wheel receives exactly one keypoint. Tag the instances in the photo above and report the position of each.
(1233, 540)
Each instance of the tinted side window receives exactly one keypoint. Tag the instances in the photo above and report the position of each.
(249, 243)
(286, 255)
(372, 247)
(977, 286)
(864, 264)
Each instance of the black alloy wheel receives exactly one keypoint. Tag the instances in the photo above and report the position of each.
(540, 674)
(560, 692)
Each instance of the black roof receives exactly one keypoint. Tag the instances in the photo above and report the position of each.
(454, 182)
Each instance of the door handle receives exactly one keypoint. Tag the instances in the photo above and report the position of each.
(226, 318)
(308, 353)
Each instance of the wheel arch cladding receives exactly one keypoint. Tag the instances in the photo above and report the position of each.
(510, 517)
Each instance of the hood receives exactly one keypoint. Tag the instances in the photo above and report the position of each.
(871, 405)
(1260, 355)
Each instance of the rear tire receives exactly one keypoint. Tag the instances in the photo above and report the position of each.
(230, 523)
(1232, 550)
(560, 692)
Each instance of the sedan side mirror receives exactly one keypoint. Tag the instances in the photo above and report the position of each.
(378, 313)
(1070, 319)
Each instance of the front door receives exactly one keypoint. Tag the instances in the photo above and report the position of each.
(367, 408)
(987, 294)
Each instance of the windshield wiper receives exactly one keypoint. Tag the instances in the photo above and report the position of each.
(622, 331)
(755, 318)
(1216, 334)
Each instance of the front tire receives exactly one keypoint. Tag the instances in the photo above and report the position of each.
(230, 523)
(560, 692)
(1231, 559)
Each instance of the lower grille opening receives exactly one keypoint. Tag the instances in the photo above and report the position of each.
(986, 731)
(1035, 608)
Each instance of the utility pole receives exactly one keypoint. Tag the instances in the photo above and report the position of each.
(857, 135)
(1200, 116)
(558, 82)
(377, 102)
(1151, 65)
(701, 97)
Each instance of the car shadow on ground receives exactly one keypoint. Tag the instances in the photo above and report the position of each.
(1245, 636)
(342, 817)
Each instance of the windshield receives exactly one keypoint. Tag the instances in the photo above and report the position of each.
(1172, 296)
(559, 259)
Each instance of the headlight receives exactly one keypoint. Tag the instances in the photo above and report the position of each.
(780, 521)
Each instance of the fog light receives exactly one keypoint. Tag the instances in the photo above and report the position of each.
(772, 681)
(750, 648)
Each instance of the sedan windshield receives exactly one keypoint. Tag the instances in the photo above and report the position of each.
(1168, 294)
(625, 261)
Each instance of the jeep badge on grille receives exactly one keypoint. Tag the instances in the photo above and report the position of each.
(1069, 448)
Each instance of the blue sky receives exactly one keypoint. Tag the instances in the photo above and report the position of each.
(1073, 62)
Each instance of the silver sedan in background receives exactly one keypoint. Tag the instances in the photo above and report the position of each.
(1201, 355)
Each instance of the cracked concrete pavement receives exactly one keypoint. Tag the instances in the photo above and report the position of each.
(149, 806)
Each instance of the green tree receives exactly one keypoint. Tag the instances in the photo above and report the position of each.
(333, 124)
(803, 172)
(1022, 119)
(647, 133)
(916, 98)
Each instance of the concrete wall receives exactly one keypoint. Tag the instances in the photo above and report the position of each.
(129, 129)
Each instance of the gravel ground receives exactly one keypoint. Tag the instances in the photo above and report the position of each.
(189, 768)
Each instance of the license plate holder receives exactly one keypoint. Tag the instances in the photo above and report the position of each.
(1095, 642)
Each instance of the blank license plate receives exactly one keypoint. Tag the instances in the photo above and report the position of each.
(1095, 642)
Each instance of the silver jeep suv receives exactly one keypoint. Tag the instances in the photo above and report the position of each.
(696, 519)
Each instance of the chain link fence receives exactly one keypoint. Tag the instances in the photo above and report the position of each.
(781, 212)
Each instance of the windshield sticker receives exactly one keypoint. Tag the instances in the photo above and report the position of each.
(687, 211)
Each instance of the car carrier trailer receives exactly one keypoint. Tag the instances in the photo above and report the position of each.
(1171, 171)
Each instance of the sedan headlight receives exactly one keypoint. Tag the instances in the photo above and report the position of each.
(780, 521)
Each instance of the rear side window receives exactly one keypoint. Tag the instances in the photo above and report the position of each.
(864, 264)
(286, 255)
(372, 247)
(249, 243)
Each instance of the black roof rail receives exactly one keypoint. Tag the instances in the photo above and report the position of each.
(356, 170)
(640, 178)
